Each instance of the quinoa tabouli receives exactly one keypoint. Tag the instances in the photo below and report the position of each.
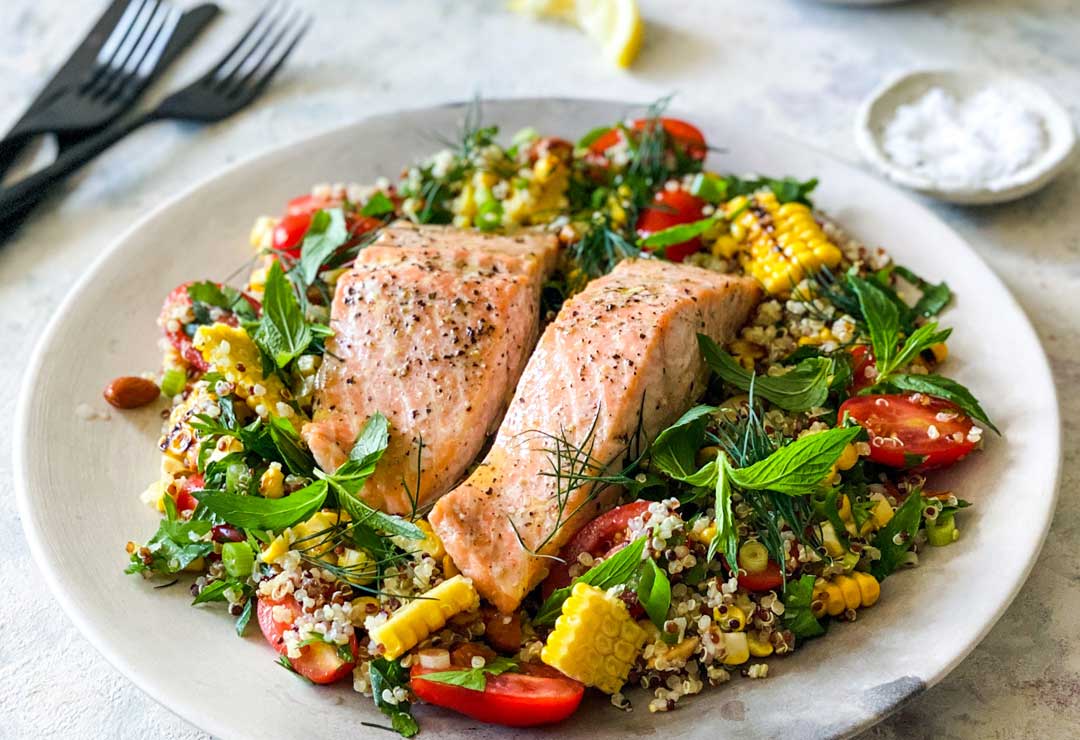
(545, 417)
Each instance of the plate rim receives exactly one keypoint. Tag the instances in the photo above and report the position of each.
(209, 723)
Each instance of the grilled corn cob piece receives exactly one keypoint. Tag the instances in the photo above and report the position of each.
(595, 640)
(412, 623)
(780, 244)
(840, 593)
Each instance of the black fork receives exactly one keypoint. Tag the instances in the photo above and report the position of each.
(230, 85)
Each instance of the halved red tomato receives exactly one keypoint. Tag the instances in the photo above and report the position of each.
(290, 230)
(601, 537)
(319, 662)
(185, 501)
(767, 580)
(534, 695)
(862, 359)
(177, 303)
(911, 431)
(686, 136)
(672, 207)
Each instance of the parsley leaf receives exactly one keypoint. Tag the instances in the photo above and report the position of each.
(798, 612)
(618, 569)
(326, 234)
(389, 675)
(255, 512)
(804, 387)
(941, 387)
(474, 679)
(798, 468)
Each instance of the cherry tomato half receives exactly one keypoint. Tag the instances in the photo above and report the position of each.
(911, 431)
(672, 207)
(686, 136)
(862, 359)
(290, 230)
(185, 501)
(319, 662)
(534, 695)
(769, 579)
(600, 537)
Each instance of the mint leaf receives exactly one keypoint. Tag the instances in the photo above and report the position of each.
(283, 333)
(798, 611)
(654, 592)
(934, 298)
(798, 468)
(326, 234)
(922, 338)
(942, 387)
(285, 438)
(254, 512)
(882, 319)
(618, 569)
(586, 140)
(800, 389)
(674, 451)
(726, 539)
(678, 234)
(709, 187)
(896, 537)
(176, 544)
(474, 679)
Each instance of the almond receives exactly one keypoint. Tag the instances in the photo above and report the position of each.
(130, 392)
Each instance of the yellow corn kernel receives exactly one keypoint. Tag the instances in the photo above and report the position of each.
(758, 648)
(869, 588)
(431, 544)
(940, 352)
(729, 618)
(747, 353)
(230, 351)
(848, 458)
(262, 233)
(673, 654)
(595, 640)
(272, 482)
(449, 567)
(412, 623)
(314, 536)
(828, 599)
(195, 565)
(359, 565)
(277, 547)
(882, 513)
(849, 590)
(725, 246)
(736, 648)
(832, 543)
(705, 536)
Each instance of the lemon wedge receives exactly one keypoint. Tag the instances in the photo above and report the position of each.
(615, 24)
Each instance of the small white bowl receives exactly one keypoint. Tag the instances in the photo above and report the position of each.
(879, 109)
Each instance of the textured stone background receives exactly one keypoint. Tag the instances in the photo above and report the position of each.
(791, 65)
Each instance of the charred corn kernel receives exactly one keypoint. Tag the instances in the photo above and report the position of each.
(230, 351)
(832, 543)
(705, 536)
(272, 482)
(736, 648)
(849, 590)
(848, 458)
(940, 352)
(314, 536)
(725, 246)
(365, 605)
(671, 654)
(729, 618)
(780, 244)
(277, 548)
(411, 624)
(758, 648)
(449, 567)
(595, 640)
(262, 233)
(359, 564)
(747, 353)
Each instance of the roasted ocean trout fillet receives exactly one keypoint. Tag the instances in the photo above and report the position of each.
(619, 363)
(432, 327)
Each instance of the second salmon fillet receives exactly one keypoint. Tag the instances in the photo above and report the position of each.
(432, 327)
(619, 363)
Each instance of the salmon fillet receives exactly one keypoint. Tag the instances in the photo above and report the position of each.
(621, 358)
(432, 327)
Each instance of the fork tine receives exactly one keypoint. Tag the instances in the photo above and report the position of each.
(215, 71)
(244, 71)
(146, 57)
(116, 63)
(268, 73)
(112, 43)
(122, 77)
(154, 55)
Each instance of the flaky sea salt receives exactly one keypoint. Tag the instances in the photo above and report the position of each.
(976, 142)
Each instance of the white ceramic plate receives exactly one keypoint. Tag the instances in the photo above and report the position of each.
(79, 479)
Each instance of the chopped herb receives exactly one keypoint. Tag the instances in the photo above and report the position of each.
(803, 388)
(254, 512)
(387, 675)
(378, 205)
(798, 610)
(175, 546)
(654, 592)
(474, 679)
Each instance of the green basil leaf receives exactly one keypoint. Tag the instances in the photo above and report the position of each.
(654, 592)
(388, 675)
(326, 234)
(674, 450)
(942, 387)
(882, 319)
(283, 333)
(474, 679)
(804, 387)
(798, 468)
(678, 234)
(253, 512)
(903, 527)
(798, 610)
(709, 188)
(379, 205)
(214, 592)
(618, 569)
